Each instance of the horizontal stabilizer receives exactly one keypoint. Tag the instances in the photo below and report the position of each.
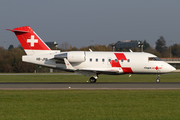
(23, 31)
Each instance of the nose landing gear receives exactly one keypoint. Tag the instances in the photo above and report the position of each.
(158, 78)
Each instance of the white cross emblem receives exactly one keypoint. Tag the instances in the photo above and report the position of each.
(32, 40)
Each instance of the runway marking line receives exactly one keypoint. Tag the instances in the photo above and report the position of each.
(89, 88)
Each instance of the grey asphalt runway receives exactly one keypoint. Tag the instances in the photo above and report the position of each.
(87, 86)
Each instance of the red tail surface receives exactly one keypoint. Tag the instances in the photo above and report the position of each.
(29, 39)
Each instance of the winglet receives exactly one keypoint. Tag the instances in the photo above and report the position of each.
(68, 65)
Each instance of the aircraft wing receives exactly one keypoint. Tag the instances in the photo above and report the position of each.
(89, 72)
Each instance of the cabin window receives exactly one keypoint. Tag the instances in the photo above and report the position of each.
(128, 60)
(90, 59)
(122, 60)
(154, 59)
(115, 60)
(103, 60)
(109, 60)
(96, 59)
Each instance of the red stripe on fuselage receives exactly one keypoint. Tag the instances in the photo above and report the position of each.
(115, 64)
(127, 70)
(120, 56)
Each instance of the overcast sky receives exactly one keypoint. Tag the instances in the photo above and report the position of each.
(78, 22)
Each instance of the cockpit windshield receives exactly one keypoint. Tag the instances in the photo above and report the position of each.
(154, 59)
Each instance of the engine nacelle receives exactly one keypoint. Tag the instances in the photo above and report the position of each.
(76, 56)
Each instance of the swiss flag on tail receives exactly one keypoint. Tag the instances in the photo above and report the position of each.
(29, 39)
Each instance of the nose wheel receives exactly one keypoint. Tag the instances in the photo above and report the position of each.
(158, 78)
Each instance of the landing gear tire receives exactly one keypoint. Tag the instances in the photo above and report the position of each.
(92, 80)
(157, 80)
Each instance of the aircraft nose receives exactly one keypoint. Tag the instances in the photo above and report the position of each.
(171, 68)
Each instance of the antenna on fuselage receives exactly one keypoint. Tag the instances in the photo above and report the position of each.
(130, 50)
(90, 50)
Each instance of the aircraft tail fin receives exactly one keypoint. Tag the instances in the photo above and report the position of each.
(30, 41)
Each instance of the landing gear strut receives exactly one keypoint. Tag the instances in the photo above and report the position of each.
(158, 78)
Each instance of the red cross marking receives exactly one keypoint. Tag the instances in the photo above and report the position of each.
(156, 68)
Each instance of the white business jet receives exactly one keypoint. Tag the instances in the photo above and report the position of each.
(88, 63)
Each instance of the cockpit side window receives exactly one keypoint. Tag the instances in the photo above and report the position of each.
(151, 59)
(158, 59)
(154, 59)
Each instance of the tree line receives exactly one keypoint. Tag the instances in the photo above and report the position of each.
(11, 58)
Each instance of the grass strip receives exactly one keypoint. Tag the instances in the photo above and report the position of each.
(90, 105)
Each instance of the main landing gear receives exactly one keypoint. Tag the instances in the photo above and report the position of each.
(158, 78)
(93, 79)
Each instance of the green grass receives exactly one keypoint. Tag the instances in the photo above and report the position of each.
(90, 105)
(81, 78)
